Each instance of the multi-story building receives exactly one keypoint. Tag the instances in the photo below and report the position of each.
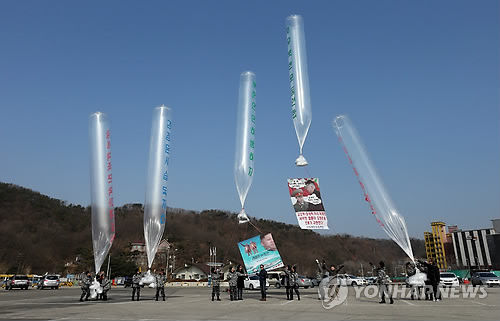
(494, 244)
(471, 248)
(435, 244)
(139, 256)
(477, 249)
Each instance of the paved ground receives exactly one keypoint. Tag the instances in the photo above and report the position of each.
(194, 303)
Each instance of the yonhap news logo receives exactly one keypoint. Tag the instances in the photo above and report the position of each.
(332, 293)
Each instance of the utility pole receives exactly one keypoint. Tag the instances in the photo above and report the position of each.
(168, 254)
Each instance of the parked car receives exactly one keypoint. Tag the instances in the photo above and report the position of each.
(274, 278)
(371, 279)
(127, 282)
(314, 281)
(347, 279)
(304, 282)
(49, 281)
(18, 281)
(485, 278)
(448, 279)
(253, 282)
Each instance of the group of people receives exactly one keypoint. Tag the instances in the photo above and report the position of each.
(159, 283)
(289, 279)
(328, 275)
(86, 280)
(431, 280)
(236, 278)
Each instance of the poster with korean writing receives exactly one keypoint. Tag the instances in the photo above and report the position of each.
(306, 200)
(260, 250)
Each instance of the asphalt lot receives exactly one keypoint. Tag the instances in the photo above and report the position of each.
(195, 304)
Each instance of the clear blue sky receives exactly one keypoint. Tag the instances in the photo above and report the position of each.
(419, 79)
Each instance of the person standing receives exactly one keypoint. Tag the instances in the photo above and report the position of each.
(382, 280)
(262, 282)
(241, 281)
(433, 277)
(233, 282)
(136, 287)
(295, 282)
(85, 280)
(160, 280)
(327, 274)
(106, 286)
(287, 282)
(216, 276)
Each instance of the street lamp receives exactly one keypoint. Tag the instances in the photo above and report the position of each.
(473, 241)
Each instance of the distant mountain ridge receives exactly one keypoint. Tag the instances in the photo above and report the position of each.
(39, 233)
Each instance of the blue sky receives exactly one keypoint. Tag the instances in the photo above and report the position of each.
(419, 79)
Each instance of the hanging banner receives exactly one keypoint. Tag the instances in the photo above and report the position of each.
(260, 250)
(307, 203)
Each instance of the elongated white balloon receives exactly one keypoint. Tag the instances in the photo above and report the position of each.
(157, 178)
(101, 189)
(299, 81)
(381, 205)
(245, 139)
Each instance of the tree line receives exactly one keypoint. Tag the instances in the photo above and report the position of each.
(41, 234)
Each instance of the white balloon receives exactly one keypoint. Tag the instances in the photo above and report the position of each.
(245, 139)
(299, 81)
(155, 206)
(418, 279)
(147, 279)
(95, 289)
(381, 205)
(101, 190)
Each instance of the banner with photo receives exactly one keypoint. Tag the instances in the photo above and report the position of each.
(307, 203)
(260, 250)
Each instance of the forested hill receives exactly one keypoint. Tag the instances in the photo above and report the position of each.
(39, 234)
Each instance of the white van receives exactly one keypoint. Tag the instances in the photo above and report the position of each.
(274, 278)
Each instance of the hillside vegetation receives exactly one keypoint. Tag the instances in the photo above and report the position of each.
(39, 234)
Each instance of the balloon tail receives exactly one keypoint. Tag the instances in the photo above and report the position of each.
(301, 161)
(242, 217)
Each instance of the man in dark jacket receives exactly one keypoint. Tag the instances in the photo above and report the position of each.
(262, 280)
(433, 277)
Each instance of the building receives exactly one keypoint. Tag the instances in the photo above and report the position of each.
(191, 272)
(435, 242)
(140, 257)
(472, 249)
(494, 244)
(496, 225)
(494, 247)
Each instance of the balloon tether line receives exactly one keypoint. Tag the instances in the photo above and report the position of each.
(255, 227)
(307, 171)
